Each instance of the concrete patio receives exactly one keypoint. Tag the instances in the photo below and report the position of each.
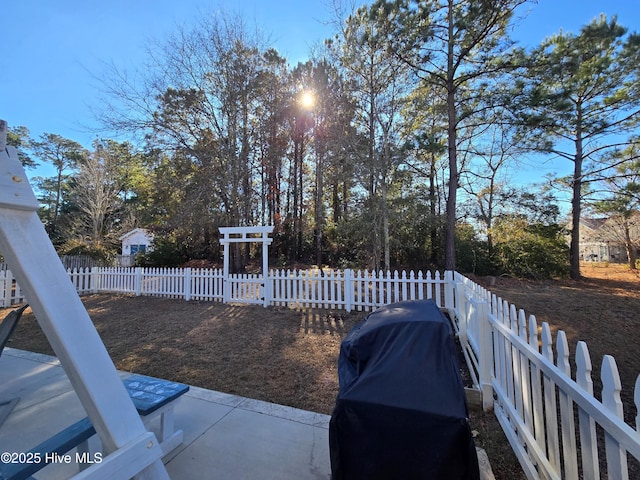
(225, 436)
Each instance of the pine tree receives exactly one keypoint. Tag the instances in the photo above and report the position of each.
(581, 92)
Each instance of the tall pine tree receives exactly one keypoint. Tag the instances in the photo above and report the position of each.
(581, 94)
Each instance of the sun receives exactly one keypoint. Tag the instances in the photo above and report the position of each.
(307, 100)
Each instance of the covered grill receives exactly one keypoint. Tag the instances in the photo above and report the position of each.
(401, 411)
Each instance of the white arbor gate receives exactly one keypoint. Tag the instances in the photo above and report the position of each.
(247, 288)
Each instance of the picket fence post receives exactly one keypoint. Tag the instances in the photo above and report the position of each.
(266, 291)
(348, 289)
(93, 280)
(485, 344)
(138, 281)
(448, 291)
(6, 288)
(187, 284)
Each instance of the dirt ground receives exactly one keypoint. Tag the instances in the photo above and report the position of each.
(289, 356)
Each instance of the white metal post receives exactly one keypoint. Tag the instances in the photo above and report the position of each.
(32, 259)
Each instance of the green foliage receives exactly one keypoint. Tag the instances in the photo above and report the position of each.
(580, 95)
(458, 47)
(18, 137)
(167, 252)
(524, 240)
(103, 253)
(581, 86)
(529, 250)
(472, 254)
(346, 244)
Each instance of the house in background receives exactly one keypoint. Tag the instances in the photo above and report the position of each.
(602, 240)
(138, 240)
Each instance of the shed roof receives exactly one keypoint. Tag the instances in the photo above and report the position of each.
(135, 231)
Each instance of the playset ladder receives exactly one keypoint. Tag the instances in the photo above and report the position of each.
(130, 450)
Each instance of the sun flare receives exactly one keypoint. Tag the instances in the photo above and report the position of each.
(307, 99)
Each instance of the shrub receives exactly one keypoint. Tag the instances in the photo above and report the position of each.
(472, 254)
(530, 250)
(101, 253)
(166, 253)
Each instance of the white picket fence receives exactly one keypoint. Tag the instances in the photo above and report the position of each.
(550, 417)
(348, 289)
(554, 423)
(353, 290)
(10, 291)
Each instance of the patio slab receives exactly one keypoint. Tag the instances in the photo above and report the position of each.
(225, 436)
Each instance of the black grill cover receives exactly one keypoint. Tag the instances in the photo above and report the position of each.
(401, 410)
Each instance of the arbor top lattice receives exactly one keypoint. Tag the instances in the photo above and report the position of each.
(246, 234)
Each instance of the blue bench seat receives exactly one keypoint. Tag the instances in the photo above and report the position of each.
(152, 397)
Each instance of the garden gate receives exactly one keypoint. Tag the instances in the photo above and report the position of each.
(247, 288)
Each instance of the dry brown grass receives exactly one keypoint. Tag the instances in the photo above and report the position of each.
(276, 354)
(289, 356)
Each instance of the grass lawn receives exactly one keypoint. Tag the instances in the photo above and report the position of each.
(289, 356)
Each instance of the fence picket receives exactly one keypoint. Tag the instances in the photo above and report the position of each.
(387, 288)
(514, 359)
(497, 344)
(567, 422)
(551, 414)
(536, 387)
(525, 372)
(611, 387)
(587, 425)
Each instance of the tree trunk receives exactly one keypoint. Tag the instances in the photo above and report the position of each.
(450, 239)
(300, 199)
(293, 255)
(319, 210)
(576, 209)
(236, 259)
(433, 224)
(335, 202)
(629, 246)
(450, 236)
(385, 228)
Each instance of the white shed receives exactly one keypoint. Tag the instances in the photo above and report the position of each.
(138, 240)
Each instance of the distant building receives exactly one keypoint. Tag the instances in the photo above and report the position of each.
(602, 239)
(138, 240)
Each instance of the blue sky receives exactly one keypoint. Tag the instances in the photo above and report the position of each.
(53, 50)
